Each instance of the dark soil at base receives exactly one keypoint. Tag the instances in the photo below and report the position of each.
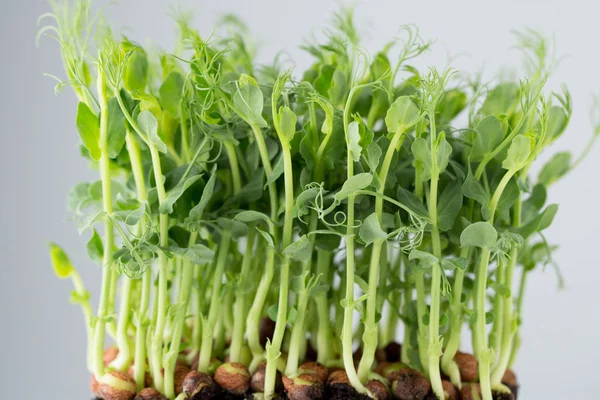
(343, 391)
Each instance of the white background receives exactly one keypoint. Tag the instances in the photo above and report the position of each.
(41, 334)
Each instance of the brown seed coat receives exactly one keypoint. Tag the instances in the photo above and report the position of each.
(233, 377)
(467, 365)
(149, 394)
(111, 393)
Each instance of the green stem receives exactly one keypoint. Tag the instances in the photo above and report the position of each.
(86, 308)
(103, 306)
(161, 316)
(449, 366)
(508, 324)
(235, 169)
(237, 339)
(140, 336)
(121, 363)
(213, 312)
(185, 290)
(481, 350)
(124, 358)
(408, 297)
(370, 325)
(255, 313)
(286, 240)
(435, 345)
(495, 336)
(518, 316)
(421, 311)
(347, 351)
(324, 329)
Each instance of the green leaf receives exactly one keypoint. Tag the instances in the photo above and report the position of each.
(277, 171)
(268, 238)
(557, 123)
(89, 220)
(170, 92)
(322, 81)
(88, 127)
(353, 139)
(500, 289)
(411, 201)
(252, 216)
(197, 253)
(472, 189)
(339, 85)
(518, 153)
(235, 228)
(538, 196)
(354, 184)
(556, 168)
(301, 205)
(197, 212)
(287, 122)
(292, 315)
(489, 136)
(539, 223)
(272, 311)
(249, 101)
(422, 152)
(501, 99)
(298, 282)
(148, 123)
(373, 156)
(95, 248)
(427, 260)
(135, 76)
(455, 263)
(60, 261)
(449, 204)
(402, 114)
(299, 250)
(507, 200)
(370, 230)
(166, 206)
(116, 128)
(480, 234)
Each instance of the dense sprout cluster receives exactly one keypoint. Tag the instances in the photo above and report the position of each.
(361, 196)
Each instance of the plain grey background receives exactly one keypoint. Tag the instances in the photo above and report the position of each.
(41, 334)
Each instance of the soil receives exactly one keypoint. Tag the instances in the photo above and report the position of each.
(344, 391)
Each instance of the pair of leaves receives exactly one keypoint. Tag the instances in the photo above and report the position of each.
(402, 114)
(88, 126)
(248, 100)
(423, 154)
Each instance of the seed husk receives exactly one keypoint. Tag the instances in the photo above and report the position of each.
(410, 385)
(393, 352)
(391, 371)
(257, 382)
(117, 386)
(266, 329)
(199, 385)
(467, 365)
(109, 355)
(318, 371)
(449, 389)
(304, 387)
(233, 377)
(149, 394)
(378, 389)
